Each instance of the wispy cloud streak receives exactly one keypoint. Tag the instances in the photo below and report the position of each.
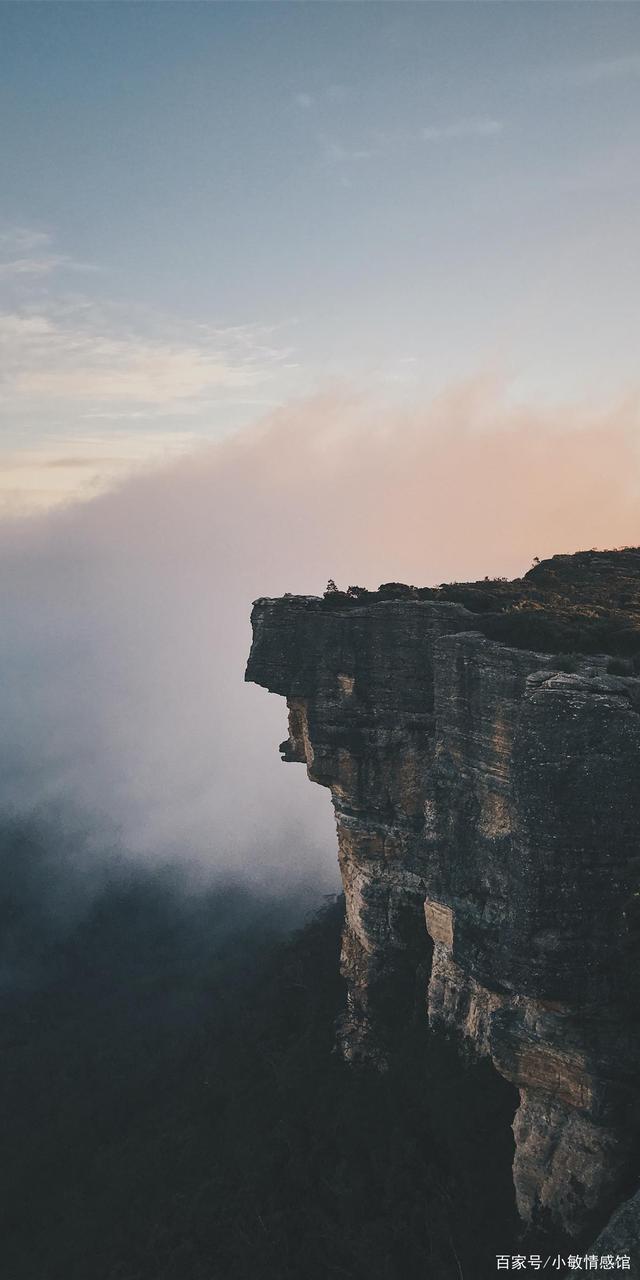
(26, 252)
(595, 72)
(69, 355)
(477, 127)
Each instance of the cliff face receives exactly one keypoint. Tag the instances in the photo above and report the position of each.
(488, 818)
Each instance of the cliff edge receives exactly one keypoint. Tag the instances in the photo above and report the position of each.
(481, 743)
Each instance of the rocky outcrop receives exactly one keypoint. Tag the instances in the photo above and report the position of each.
(488, 818)
(620, 1239)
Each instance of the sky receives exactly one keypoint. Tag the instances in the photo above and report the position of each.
(211, 211)
(287, 292)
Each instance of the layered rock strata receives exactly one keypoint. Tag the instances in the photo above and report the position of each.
(488, 817)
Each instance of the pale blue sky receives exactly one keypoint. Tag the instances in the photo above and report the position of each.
(207, 209)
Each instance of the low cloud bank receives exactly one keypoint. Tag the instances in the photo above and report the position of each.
(126, 620)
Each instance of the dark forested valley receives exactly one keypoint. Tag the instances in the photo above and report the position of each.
(173, 1108)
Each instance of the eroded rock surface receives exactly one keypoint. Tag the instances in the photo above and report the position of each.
(620, 1238)
(488, 817)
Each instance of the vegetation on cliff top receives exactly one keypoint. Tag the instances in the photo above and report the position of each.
(585, 603)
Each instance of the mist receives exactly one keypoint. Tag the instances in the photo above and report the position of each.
(125, 626)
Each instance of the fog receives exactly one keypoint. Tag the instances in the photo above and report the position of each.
(125, 627)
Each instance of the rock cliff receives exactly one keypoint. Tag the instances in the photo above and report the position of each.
(481, 743)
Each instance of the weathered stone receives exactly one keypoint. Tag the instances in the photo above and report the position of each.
(492, 793)
(621, 1239)
(439, 919)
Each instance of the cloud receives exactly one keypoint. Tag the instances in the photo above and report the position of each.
(71, 363)
(384, 144)
(67, 357)
(477, 127)
(27, 252)
(23, 239)
(126, 620)
(52, 356)
(31, 266)
(334, 93)
(336, 153)
(77, 367)
(54, 473)
(586, 74)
